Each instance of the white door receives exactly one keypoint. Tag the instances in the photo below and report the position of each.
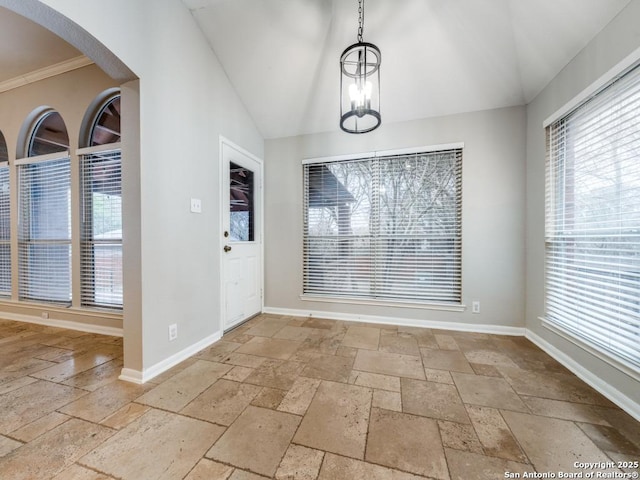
(241, 234)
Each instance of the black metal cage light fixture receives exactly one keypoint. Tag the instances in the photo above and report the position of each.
(360, 84)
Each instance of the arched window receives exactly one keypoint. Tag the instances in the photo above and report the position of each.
(49, 135)
(106, 128)
(5, 221)
(44, 213)
(101, 204)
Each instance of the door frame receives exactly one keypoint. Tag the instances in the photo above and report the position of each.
(222, 187)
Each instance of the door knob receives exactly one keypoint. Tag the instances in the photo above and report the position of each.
(227, 248)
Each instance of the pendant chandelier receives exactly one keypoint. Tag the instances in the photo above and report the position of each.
(360, 84)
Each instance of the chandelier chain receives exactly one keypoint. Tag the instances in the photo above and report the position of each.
(360, 19)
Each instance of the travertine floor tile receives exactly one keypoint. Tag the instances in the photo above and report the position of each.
(77, 472)
(404, 344)
(337, 419)
(38, 427)
(105, 401)
(494, 434)
(329, 367)
(472, 466)
(27, 404)
(445, 360)
(488, 391)
(222, 402)
(268, 327)
(175, 393)
(299, 396)
(423, 336)
(578, 412)
(124, 416)
(269, 398)
(322, 323)
(406, 442)
(552, 445)
(438, 376)
(387, 400)
(459, 436)
(446, 342)
(209, 470)
(435, 400)
(489, 357)
(62, 371)
(362, 337)
(294, 333)
(243, 360)
(256, 441)
(609, 439)
(244, 475)
(47, 455)
(335, 467)
(219, 351)
(375, 380)
(238, 374)
(270, 347)
(7, 445)
(556, 386)
(486, 370)
(276, 374)
(389, 364)
(97, 377)
(300, 463)
(158, 445)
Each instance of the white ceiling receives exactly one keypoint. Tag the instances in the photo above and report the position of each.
(26, 47)
(438, 56)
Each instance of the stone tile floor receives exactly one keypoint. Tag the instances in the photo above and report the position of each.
(298, 398)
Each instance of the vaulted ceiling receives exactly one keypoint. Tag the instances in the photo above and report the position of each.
(439, 57)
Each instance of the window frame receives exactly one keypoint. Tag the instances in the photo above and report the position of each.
(555, 191)
(457, 306)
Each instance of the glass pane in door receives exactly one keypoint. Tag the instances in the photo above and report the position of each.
(241, 205)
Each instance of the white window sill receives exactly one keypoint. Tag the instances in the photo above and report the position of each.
(448, 307)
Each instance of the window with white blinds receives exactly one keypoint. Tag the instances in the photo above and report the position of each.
(5, 230)
(101, 240)
(384, 228)
(592, 232)
(44, 228)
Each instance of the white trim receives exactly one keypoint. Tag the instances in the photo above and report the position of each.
(4, 164)
(67, 324)
(384, 303)
(62, 155)
(405, 322)
(46, 72)
(52, 307)
(618, 70)
(617, 363)
(108, 147)
(385, 153)
(613, 394)
(137, 376)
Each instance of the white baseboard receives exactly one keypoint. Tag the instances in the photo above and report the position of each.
(613, 394)
(405, 322)
(140, 377)
(68, 324)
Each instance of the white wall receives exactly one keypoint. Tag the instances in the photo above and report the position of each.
(186, 102)
(492, 214)
(619, 39)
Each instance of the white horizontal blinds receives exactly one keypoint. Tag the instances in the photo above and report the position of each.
(44, 230)
(5, 239)
(101, 220)
(385, 228)
(593, 221)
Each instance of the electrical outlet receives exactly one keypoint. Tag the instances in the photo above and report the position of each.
(173, 332)
(475, 306)
(196, 205)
